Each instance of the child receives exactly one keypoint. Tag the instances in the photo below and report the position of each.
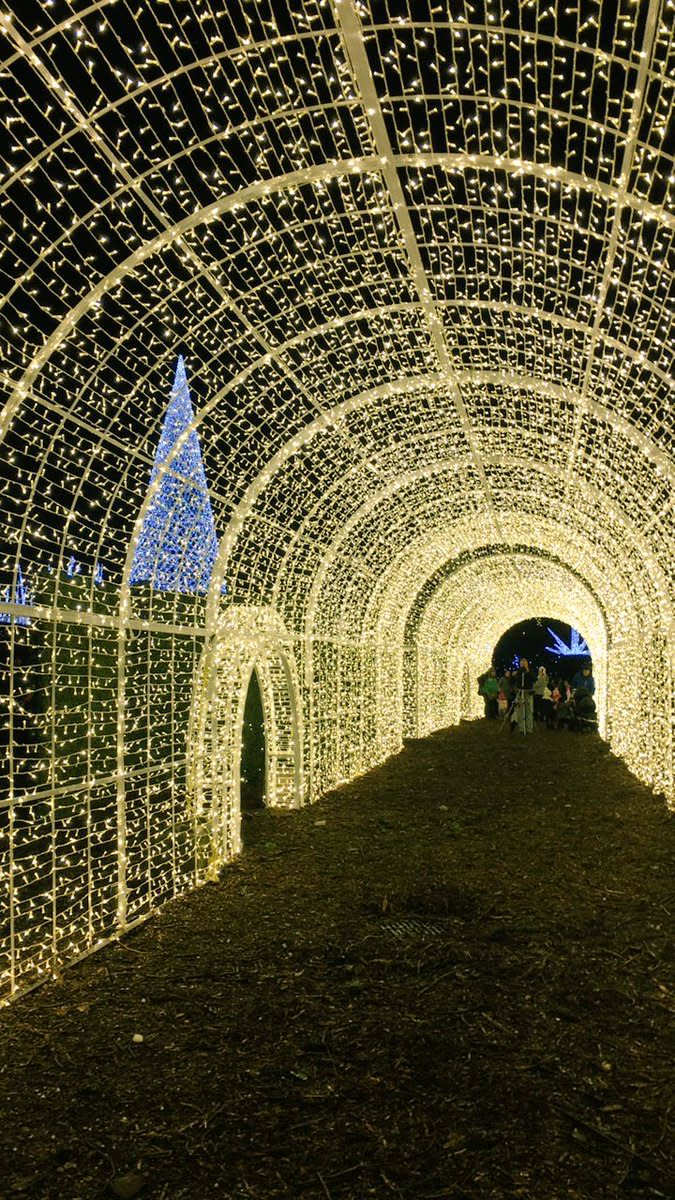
(546, 708)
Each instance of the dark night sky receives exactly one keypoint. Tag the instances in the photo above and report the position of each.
(529, 639)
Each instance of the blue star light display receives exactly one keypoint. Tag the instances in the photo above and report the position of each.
(21, 596)
(578, 645)
(177, 545)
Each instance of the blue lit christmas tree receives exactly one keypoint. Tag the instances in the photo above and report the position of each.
(177, 545)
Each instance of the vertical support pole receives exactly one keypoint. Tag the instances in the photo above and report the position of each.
(121, 791)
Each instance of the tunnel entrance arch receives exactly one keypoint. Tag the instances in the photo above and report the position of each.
(248, 643)
(452, 633)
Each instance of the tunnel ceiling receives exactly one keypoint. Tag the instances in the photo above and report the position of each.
(419, 260)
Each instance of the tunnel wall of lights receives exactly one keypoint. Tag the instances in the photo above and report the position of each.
(337, 337)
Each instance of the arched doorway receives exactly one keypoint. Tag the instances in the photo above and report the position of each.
(253, 754)
(247, 676)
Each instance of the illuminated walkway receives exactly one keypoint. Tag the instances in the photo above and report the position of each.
(453, 977)
(337, 337)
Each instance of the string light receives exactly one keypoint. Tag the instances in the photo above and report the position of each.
(419, 259)
(177, 545)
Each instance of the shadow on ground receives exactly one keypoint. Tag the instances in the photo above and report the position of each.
(453, 977)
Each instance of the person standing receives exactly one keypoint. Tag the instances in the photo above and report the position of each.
(481, 692)
(491, 693)
(547, 709)
(584, 679)
(524, 682)
(507, 689)
(539, 687)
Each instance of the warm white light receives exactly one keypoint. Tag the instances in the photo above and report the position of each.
(421, 271)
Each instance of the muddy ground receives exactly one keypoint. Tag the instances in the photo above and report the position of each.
(453, 977)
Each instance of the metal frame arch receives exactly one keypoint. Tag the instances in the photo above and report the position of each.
(430, 227)
(237, 199)
(247, 640)
(483, 554)
(379, 497)
(464, 631)
(453, 549)
(332, 418)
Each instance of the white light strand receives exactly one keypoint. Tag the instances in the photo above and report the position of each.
(419, 259)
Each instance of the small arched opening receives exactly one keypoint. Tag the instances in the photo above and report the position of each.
(253, 752)
(246, 736)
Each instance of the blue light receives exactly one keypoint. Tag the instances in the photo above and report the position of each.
(21, 596)
(177, 546)
(578, 646)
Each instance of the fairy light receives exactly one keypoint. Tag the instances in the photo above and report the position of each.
(421, 270)
(177, 543)
(19, 596)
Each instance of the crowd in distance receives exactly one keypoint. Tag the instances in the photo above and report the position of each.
(522, 699)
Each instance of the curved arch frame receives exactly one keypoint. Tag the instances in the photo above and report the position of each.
(247, 640)
(468, 633)
(53, 375)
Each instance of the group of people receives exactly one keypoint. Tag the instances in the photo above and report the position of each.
(521, 698)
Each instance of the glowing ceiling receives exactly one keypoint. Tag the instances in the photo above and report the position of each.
(419, 261)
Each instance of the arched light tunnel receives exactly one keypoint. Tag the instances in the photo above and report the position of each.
(337, 338)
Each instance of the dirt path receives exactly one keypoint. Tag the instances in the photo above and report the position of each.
(452, 978)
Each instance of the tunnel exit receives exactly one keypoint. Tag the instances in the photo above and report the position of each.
(544, 642)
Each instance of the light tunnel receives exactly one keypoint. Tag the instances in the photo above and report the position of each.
(337, 338)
